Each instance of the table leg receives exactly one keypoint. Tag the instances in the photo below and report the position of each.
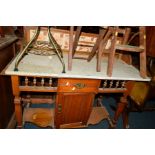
(121, 110)
(18, 111)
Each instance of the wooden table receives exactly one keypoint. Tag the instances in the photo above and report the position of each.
(75, 90)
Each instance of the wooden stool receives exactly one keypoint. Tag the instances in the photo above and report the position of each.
(55, 47)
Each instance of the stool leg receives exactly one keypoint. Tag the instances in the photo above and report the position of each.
(22, 54)
(57, 48)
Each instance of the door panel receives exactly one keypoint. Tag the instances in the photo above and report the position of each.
(73, 108)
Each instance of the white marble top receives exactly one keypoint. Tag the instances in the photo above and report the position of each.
(36, 65)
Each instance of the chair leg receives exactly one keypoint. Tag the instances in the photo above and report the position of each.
(102, 46)
(99, 55)
(143, 54)
(76, 39)
(126, 57)
(126, 35)
(112, 53)
(102, 33)
(70, 48)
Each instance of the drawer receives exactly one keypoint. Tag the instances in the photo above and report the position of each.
(78, 85)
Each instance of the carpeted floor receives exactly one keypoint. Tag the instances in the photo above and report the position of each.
(137, 120)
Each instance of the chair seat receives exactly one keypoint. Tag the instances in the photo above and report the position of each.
(139, 92)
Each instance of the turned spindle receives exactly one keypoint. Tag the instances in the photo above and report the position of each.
(117, 84)
(123, 84)
(50, 82)
(26, 81)
(105, 84)
(111, 84)
(34, 81)
(42, 82)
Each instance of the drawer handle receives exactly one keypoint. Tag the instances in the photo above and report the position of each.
(79, 85)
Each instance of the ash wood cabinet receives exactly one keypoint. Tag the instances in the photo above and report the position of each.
(74, 102)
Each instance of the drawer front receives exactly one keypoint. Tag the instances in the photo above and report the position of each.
(78, 85)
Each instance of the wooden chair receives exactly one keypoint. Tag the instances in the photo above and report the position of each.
(123, 46)
(138, 99)
(74, 43)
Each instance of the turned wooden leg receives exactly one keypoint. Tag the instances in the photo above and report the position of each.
(125, 117)
(120, 110)
(18, 111)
